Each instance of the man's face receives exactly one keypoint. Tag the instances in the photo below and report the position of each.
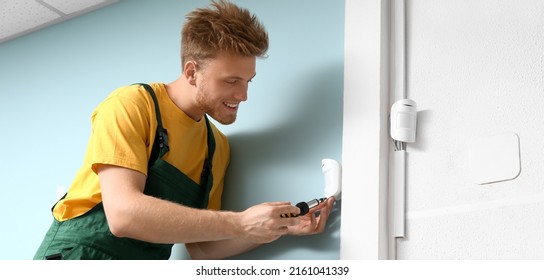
(222, 85)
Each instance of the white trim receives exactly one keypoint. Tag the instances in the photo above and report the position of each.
(397, 194)
(364, 156)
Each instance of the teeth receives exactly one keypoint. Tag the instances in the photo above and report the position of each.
(231, 105)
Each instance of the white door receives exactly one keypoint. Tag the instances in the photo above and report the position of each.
(476, 71)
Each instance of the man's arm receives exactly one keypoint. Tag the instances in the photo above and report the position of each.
(131, 213)
(214, 250)
(307, 225)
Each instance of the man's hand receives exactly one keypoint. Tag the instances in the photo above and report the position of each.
(263, 223)
(309, 223)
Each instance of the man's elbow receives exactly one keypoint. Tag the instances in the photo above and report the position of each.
(119, 224)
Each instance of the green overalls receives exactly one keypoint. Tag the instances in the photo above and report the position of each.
(89, 237)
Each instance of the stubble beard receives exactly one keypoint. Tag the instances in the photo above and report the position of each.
(208, 107)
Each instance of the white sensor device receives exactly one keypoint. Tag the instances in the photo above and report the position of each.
(404, 120)
(333, 187)
(332, 172)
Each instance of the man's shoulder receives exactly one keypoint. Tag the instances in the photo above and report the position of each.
(133, 91)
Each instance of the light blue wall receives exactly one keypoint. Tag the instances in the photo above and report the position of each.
(51, 80)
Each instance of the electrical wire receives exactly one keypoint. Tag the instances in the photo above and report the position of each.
(398, 145)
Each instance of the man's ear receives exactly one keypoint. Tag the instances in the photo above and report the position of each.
(189, 72)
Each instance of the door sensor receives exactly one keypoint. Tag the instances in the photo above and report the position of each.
(404, 120)
(333, 187)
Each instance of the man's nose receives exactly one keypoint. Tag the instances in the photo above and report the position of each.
(241, 94)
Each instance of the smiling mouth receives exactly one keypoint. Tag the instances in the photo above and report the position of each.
(231, 105)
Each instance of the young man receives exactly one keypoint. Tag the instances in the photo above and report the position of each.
(154, 168)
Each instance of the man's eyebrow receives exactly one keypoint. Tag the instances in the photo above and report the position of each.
(240, 78)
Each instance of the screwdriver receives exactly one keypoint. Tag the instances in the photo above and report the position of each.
(304, 207)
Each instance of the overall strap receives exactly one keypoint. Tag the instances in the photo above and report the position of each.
(206, 179)
(162, 136)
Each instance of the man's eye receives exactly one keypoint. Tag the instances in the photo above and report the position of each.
(232, 82)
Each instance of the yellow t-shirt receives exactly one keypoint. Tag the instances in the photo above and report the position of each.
(123, 131)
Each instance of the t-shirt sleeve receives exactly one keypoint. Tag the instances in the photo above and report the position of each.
(120, 132)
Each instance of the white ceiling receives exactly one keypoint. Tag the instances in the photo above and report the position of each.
(20, 17)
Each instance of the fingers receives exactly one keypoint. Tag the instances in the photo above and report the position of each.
(324, 215)
(277, 203)
(283, 208)
(310, 224)
(329, 202)
(263, 223)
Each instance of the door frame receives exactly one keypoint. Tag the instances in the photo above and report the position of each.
(365, 142)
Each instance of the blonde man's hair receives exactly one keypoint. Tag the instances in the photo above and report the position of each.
(222, 28)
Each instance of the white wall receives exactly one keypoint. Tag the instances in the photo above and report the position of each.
(475, 68)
